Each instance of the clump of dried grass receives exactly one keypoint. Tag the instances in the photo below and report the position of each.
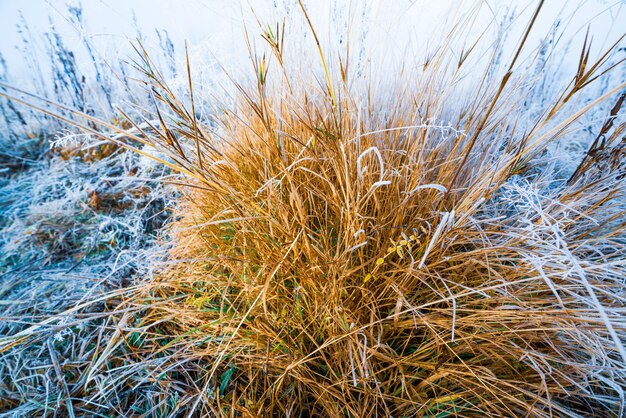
(349, 258)
(341, 253)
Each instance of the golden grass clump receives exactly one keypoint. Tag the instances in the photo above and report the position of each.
(343, 252)
(343, 255)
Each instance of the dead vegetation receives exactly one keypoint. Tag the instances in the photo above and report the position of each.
(344, 251)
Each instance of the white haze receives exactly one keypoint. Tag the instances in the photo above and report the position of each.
(395, 29)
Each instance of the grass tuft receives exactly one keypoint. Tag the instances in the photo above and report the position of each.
(344, 252)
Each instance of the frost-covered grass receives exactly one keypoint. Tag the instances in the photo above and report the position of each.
(76, 225)
(444, 239)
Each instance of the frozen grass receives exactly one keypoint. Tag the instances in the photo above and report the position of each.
(76, 225)
(343, 247)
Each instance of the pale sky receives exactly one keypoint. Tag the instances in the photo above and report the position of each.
(218, 23)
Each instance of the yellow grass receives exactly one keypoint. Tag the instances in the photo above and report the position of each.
(345, 253)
